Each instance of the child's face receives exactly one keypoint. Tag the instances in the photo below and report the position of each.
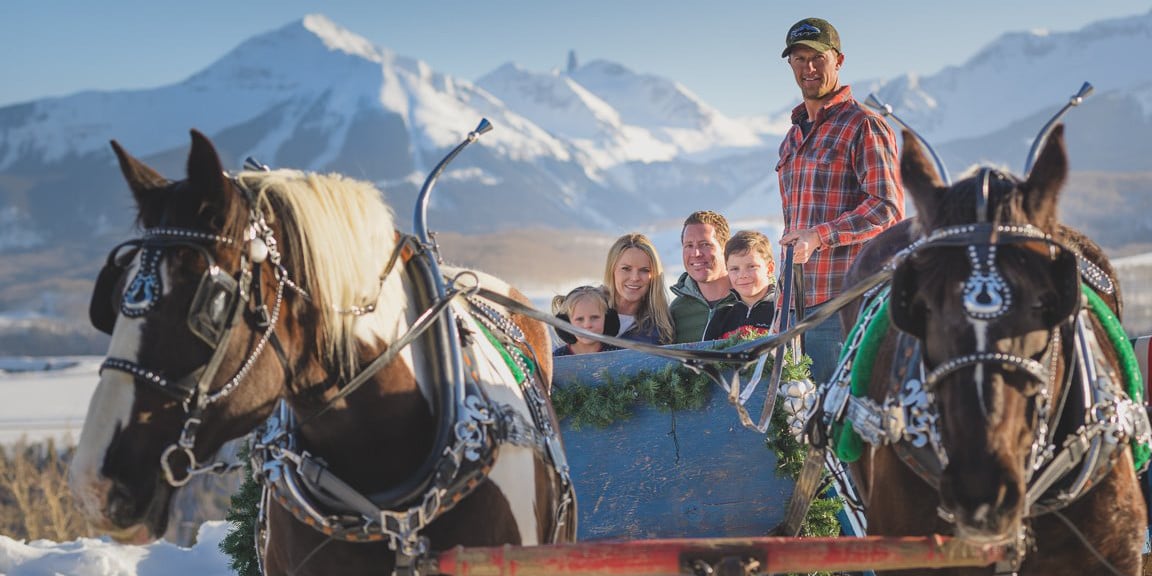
(588, 314)
(750, 275)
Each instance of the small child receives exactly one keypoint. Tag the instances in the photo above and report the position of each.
(751, 269)
(586, 307)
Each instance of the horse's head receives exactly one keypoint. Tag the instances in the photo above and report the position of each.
(183, 373)
(985, 291)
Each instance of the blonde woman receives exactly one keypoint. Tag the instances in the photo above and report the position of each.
(635, 281)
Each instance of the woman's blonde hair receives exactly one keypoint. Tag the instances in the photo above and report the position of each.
(654, 307)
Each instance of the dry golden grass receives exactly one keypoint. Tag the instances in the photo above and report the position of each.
(35, 501)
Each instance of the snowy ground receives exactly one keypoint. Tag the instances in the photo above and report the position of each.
(100, 557)
(47, 398)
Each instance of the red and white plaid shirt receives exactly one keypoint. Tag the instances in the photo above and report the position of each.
(843, 180)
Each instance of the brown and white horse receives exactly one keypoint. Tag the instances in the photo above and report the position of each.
(272, 285)
(1016, 423)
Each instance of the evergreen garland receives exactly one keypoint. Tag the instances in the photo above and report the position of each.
(240, 542)
(822, 518)
(672, 388)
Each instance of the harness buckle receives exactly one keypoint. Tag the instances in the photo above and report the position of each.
(188, 434)
(263, 319)
(414, 561)
(874, 423)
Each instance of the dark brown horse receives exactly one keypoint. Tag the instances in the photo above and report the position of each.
(416, 413)
(1000, 445)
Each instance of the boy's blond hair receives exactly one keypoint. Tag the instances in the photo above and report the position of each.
(750, 241)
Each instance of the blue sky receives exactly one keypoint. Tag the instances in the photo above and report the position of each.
(727, 51)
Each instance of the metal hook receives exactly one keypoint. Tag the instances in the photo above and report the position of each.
(1042, 137)
(885, 110)
(421, 219)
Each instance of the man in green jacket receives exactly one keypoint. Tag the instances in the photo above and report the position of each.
(703, 291)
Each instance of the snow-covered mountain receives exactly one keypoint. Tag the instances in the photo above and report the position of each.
(617, 116)
(313, 95)
(1027, 76)
(596, 145)
(311, 80)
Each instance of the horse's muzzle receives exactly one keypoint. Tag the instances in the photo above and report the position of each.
(987, 510)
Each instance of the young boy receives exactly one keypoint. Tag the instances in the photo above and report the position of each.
(586, 307)
(751, 270)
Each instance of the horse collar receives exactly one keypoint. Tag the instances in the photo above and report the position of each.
(470, 428)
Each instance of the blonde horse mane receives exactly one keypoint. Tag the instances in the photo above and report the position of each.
(337, 235)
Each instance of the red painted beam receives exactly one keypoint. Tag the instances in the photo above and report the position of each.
(669, 557)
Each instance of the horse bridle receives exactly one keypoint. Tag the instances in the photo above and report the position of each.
(986, 295)
(216, 309)
(213, 305)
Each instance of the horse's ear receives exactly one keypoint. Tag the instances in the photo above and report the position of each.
(919, 176)
(141, 178)
(205, 171)
(1042, 189)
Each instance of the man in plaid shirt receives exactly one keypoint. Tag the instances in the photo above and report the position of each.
(839, 179)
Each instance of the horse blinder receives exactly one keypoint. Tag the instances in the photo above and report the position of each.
(1066, 270)
(906, 313)
(101, 311)
(210, 311)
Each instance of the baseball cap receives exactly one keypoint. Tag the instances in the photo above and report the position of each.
(815, 33)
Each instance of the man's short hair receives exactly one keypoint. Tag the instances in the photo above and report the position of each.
(718, 222)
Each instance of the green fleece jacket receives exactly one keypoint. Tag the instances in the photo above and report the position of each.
(691, 313)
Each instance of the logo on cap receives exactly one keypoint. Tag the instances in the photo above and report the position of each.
(804, 32)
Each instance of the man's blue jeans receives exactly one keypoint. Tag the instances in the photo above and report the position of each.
(823, 344)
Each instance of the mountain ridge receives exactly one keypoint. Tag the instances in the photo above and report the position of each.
(597, 146)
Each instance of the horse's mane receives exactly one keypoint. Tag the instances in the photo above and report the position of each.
(337, 237)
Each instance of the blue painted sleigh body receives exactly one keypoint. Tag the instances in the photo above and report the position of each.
(660, 474)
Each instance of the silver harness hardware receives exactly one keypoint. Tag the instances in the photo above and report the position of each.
(304, 485)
